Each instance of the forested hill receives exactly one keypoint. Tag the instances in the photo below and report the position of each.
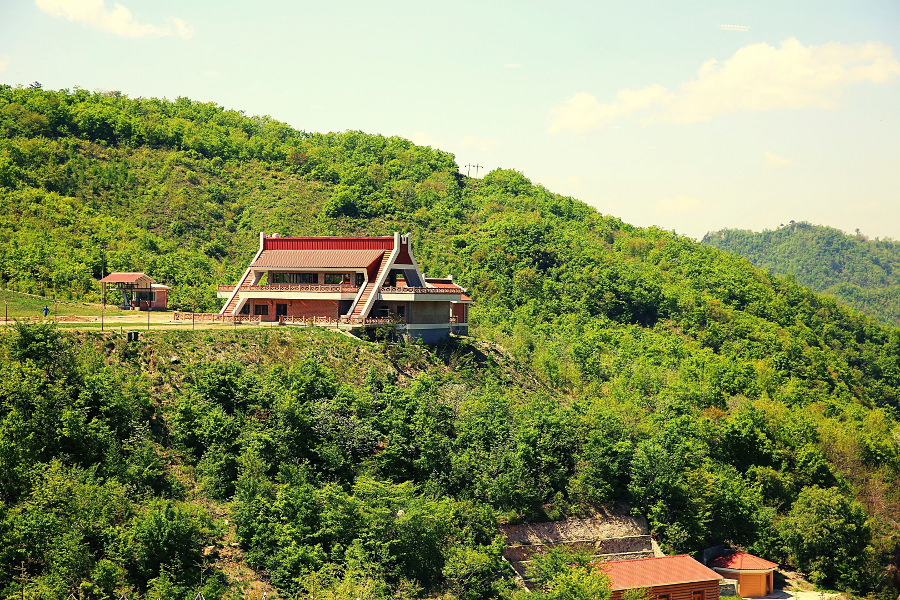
(859, 272)
(607, 363)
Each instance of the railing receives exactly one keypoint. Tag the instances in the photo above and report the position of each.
(326, 321)
(300, 287)
(372, 320)
(216, 318)
(224, 288)
(417, 290)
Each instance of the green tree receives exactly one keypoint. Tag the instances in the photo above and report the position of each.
(828, 537)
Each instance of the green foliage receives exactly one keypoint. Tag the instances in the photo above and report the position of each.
(566, 574)
(609, 363)
(857, 271)
(828, 537)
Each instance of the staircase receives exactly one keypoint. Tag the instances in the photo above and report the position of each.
(236, 298)
(361, 310)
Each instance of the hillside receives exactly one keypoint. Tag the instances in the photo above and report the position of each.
(861, 273)
(608, 363)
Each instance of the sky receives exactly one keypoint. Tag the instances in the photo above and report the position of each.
(692, 116)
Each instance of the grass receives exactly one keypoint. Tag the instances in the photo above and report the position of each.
(17, 306)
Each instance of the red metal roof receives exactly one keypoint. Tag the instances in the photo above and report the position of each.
(124, 277)
(742, 561)
(311, 259)
(328, 243)
(655, 571)
(443, 284)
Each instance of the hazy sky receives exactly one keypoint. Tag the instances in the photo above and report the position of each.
(688, 115)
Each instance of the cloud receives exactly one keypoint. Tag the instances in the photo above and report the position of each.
(758, 77)
(770, 159)
(4, 62)
(584, 113)
(117, 20)
(480, 144)
(735, 27)
(676, 205)
(182, 29)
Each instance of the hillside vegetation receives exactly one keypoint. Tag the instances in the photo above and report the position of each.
(861, 273)
(609, 362)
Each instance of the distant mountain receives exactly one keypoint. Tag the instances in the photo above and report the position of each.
(859, 272)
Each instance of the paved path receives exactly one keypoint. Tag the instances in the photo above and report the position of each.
(799, 595)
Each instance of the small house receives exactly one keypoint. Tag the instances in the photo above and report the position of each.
(677, 577)
(138, 290)
(755, 576)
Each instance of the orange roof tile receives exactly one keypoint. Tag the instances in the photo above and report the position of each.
(123, 277)
(742, 561)
(655, 571)
(324, 259)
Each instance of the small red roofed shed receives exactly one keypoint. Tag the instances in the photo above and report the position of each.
(677, 577)
(755, 575)
(138, 290)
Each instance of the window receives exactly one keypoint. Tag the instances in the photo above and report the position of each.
(278, 278)
(310, 278)
(401, 313)
(280, 310)
(261, 310)
(360, 277)
(334, 278)
(697, 595)
(245, 309)
(663, 597)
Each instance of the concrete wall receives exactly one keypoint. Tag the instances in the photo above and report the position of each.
(429, 312)
(430, 336)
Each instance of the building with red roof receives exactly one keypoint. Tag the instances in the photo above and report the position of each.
(138, 290)
(677, 577)
(352, 282)
(755, 575)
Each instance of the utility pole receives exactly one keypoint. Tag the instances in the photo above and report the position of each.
(469, 168)
(102, 305)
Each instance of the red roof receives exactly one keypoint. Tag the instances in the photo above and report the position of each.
(328, 243)
(324, 259)
(655, 571)
(448, 285)
(445, 285)
(124, 277)
(741, 561)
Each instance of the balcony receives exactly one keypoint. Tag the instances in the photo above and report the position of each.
(415, 290)
(259, 291)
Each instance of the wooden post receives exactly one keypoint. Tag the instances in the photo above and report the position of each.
(148, 316)
(193, 310)
(102, 305)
